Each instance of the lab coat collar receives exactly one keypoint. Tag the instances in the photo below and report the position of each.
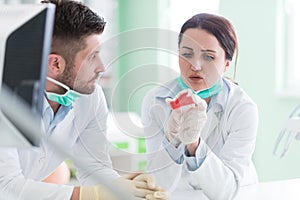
(218, 102)
(214, 114)
(169, 90)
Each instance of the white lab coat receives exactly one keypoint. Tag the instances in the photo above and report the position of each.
(228, 137)
(82, 132)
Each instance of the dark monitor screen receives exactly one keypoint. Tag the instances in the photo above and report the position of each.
(25, 43)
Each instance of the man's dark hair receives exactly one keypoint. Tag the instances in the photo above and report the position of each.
(73, 23)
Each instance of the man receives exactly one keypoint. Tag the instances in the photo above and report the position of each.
(74, 66)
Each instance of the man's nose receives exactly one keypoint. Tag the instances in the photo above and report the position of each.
(100, 66)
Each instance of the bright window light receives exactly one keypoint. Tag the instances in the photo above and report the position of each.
(288, 48)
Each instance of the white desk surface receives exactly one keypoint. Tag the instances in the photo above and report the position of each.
(275, 190)
(285, 189)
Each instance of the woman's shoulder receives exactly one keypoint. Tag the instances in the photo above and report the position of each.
(237, 95)
(241, 111)
(240, 106)
(167, 89)
(158, 94)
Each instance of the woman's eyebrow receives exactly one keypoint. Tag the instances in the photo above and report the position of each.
(185, 47)
(208, 50)
(202, 50)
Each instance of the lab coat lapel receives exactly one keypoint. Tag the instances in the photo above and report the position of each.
(214, 115)
(210, 125)
(61, 134)
(214, 133)
(63, 131)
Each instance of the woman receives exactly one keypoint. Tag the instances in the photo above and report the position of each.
(207, 145)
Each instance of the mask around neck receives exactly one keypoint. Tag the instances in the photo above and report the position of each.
(206, 93)
(65, 99)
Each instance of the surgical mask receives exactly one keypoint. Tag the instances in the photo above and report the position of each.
(66, 99)
(206, 93)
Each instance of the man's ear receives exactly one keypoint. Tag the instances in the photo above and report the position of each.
(56, 64)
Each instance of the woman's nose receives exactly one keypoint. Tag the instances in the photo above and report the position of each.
(196, 65)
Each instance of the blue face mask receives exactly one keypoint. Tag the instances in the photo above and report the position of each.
(66, 99)
(215, 89)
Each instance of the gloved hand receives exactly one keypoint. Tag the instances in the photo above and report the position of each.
(140, 186)
(187, 118)
(98, 192)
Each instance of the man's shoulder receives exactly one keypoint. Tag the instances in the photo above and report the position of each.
(96, 97)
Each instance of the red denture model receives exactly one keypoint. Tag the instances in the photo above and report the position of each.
(186, 98)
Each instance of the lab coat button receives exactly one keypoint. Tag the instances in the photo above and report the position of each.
(41, 160)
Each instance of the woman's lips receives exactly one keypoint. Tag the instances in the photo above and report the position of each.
(195, 78)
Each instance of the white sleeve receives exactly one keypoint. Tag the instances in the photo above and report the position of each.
(159, 163)
(14, 185)
(91, 146)
(220, 175)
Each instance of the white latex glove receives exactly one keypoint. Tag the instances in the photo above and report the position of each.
(173, 127)
(140, 186)
(187, 118)
(98, 192)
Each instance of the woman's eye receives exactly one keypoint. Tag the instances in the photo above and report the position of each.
(208, 57)
(187, 55)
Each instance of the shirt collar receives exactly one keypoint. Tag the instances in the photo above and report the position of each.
(50, 121)
(46, 107)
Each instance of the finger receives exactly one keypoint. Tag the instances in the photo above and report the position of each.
(150, 197)
(139, 198)
(161, 195)
(199, 102)
(144, 185)
(131, 176)
(140, 192)
(141, 184)
(158, 196)
(148, 178)
(143, 190)
(175, 116)
(168, 102)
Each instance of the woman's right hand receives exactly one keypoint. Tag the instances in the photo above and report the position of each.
(186, 123)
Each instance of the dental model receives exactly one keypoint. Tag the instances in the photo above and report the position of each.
(184, 98)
